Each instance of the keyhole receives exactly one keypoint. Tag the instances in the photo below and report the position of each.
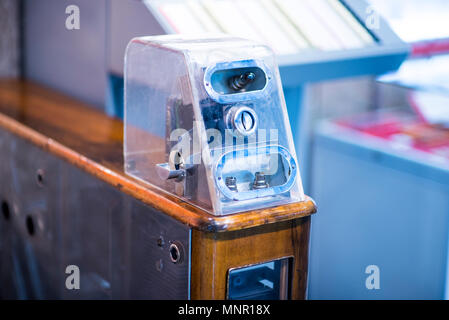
(247, 121)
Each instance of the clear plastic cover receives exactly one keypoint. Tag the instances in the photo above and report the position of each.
(205, 119)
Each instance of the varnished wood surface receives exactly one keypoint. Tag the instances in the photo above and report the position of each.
(93, 142)
(213, 254)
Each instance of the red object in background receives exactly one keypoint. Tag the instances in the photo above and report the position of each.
(430, 47)
(379, 125)
(388, 126)
(427, 137)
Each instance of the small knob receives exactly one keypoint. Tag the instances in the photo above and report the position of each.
(165, 172)
(239, 83)
(243, 119)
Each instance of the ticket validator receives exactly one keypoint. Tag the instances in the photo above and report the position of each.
(206, 121)
(196, 195)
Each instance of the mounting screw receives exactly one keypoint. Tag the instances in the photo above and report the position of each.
(259, 181)
(231, 183)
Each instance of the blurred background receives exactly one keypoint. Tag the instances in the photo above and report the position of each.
(367, 90)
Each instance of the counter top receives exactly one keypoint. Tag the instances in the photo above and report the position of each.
(92, 141)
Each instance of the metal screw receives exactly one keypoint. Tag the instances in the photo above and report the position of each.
(259, 181)
(231, 183)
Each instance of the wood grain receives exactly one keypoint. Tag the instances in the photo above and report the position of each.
(93, 142)
(213, 254)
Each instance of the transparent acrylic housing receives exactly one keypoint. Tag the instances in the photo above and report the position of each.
(205, 120)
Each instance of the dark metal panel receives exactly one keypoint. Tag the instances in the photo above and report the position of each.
(121, 246)
(8, 289)
(89, 206)
(150, 266)
(30, 187)
(115, 241)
